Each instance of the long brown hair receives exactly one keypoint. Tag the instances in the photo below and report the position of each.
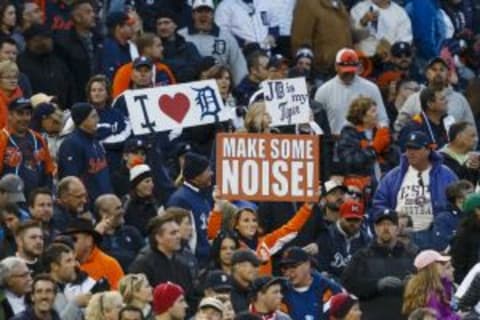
(426, 282)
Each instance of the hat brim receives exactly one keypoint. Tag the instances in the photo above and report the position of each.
(222, 288)
(389, 217)
(341, 187)
(96, 236)
(351, 216)
(290, 262)
(143, 65)
(414, 146)
(203, 6)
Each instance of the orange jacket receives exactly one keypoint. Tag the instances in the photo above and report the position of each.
(4, 102)
(122, 77)
(99, 265)
(268, 244)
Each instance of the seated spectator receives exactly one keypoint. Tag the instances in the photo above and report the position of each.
(423, 314)
(267, 297)
(13, 192)
(277, 67)
(118, 48)
(120, 241)
(130, 313)
(458, 154)
(402, 58)
(169, 302)
(8, 24)
(345, 306)
(343, 239)
(397, 93)
(257, 63)
(433, 120)
(9, 88)
(150, 46)
(137, 292)
(40, 206)
(16, 280)
(30, 244)
(218, 283)
(182, 56)
(10, 218)
(307, 292)
(214, 41)
(432, 285)
(9, 51)
(92, 259)
(222, 249)
(244, 271)
(42, 299)
(210, 308)
(71, 202)
(104, 306)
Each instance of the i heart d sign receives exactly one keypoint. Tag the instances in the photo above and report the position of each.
(176, 107)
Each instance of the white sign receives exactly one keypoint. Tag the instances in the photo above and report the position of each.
(287, 101)
(176, 106)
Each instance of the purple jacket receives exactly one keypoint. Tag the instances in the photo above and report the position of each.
(443, 309)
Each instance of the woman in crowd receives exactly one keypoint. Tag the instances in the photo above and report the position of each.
(104, 306)
(431, 286)
(8, 24)
(221, 251)
(9, 88)
(137, 292)
(140, 206)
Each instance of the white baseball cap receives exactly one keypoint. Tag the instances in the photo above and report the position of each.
(203, 3)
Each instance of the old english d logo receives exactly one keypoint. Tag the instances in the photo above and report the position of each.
(219, 47)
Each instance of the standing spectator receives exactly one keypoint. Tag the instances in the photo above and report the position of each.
(150, 46)
(257, 63)
(82, 155)
(46, 71)
(158, 261)
(213, 41)
(29, 14)
(182, 56)
(16, 283)
(80, 47)
(42, 298)
(401, 60)
(432, 285)
(120, 241)
(71, 202)
(223, 247)
(95, 262)
(250, 22)
(267, 298)
(24, 152)
(244, 271)
(433, 120)
(383, 266)
(9, 88)
(436, 73)
(148, 11)
(380, 20)
(417, 186)
(325, 26)
(117, 46)
(194, 196)
(343, 239)
(104, 306)
(9, 51)
(169, 302)
(307, 291)
(337, 94)
(137, 292)
(8, 24)
(30, 244)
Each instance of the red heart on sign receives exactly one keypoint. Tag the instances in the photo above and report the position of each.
(176, 107)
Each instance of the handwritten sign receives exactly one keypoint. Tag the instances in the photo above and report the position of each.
(176, 106)
(287, 101)
(266, 167)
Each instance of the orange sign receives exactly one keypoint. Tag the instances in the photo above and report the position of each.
(267, 167)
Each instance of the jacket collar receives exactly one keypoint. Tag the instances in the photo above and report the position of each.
(215, 31)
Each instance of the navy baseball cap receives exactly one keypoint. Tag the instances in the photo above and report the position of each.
(293, 256)
(401, 48)
(219, 281)
(263, 283)
(389, 214)
(142, 61)
(417, 140)
(118, 18)
(436, 60)
(134, 144)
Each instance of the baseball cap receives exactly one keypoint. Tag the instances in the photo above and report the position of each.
(436, 60)
(13, 186)
(134, 144)
(263, 283)
(401, 48)
(203, 3)
(347, 60)
(417, 140)
(352, 209)
(427, 257)
(294, 255)
(38, 98)
(20, 103)
(142, 61)
(117, 18)
(341, 304)
(245, 255)
(211, 302)
(276, 61)
(389, 214)
(218, 281)
(332, 185)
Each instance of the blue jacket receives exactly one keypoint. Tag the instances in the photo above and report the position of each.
(440, 177)
(336, 249)
(83, 156)
(310, 304)
(113, 56)
(200, 203)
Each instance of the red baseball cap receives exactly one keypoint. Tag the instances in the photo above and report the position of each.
(352, 209)
(347, 60)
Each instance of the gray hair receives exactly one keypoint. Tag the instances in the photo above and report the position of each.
(7, 266)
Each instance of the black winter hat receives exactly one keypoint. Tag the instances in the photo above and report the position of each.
(194, 165)
(80, 112)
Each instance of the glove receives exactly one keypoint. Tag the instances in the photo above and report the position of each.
(381, 141)
(389, 282)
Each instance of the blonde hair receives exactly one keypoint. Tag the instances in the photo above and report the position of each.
(426, 282)
(254, 117)
(101, 302)
(130, 284)
(8, 66)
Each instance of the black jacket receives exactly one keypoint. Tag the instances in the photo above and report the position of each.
(139, 211)
(183, 58)
(239, 297)
(461, 171)
(369, 265)
(74, 53)
(50, 75)
(123, 244)
(466, 247)
(29, 314)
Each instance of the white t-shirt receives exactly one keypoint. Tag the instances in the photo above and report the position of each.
(414, 198)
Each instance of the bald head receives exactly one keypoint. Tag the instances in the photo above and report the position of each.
(72, 194)
(109, 206)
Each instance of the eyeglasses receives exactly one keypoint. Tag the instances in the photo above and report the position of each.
(355, 194)
(22, 275)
